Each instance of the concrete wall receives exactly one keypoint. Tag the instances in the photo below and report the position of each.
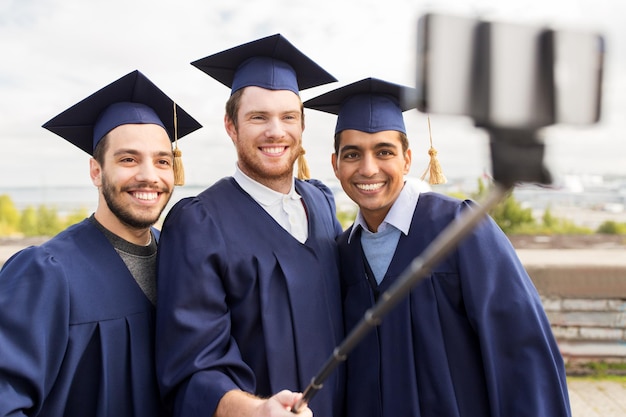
(586, 306)
(582, 283)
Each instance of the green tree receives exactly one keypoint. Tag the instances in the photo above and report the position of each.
(509, 213)
(48, 222)
(44, 221)
(9, 216)
(549, 221)
(346, 217)
(611, 227)
(511, 216)
(28, 222)
(76, 216)
(555, 225)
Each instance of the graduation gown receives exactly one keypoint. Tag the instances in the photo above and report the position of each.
(471, 340)
(243, 304)
(76, 332)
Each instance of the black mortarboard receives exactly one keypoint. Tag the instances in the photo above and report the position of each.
(271, 62)
(130, 99)
(369, 105)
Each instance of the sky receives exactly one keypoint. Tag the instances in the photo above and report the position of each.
(54, 53)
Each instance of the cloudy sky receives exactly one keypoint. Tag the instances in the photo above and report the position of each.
(56, 52)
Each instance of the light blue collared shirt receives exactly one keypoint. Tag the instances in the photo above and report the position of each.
(287, 209)
(379, 247)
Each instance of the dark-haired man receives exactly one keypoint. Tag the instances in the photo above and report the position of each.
(77, 313)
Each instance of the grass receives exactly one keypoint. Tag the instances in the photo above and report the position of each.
(614, 371)
(621, 379)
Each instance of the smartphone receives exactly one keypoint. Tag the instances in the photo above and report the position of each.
(508, 75)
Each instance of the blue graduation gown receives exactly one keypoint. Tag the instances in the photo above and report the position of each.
(471, 340)
(244, 305)
(76, 332)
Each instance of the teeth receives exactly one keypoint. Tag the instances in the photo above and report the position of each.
(274, 150)
(370, 187)
(145, 195)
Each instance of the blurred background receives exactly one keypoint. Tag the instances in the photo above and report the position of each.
(56, 52)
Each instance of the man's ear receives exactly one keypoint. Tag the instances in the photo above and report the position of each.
(333, 161)
(95, 172)
(407, 161)
(230, 128)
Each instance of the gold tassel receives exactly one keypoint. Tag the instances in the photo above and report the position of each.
(179, 170)
(434, 167)
(303, 167)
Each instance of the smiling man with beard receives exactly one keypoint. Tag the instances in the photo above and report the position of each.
(77, 313)
(249, 305)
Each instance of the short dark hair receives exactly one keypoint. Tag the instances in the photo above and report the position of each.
(101, 148)
(232, 106)
(404, 140)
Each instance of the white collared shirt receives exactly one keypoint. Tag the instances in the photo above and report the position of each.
(286, 209)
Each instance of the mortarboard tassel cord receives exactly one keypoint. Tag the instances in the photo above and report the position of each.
(179, 170)
(303, 167)
(434, 167)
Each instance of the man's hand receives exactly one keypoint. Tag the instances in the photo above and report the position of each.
(241, 404)
(281, 404)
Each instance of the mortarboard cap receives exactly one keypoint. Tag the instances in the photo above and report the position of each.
(128, 100)
(271, 62)
(370, 105)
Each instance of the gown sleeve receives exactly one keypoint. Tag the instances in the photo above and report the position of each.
(523, 366)
(193, 356)
(34, 315)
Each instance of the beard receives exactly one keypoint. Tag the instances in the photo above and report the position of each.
(125, 213)
(264, 172)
